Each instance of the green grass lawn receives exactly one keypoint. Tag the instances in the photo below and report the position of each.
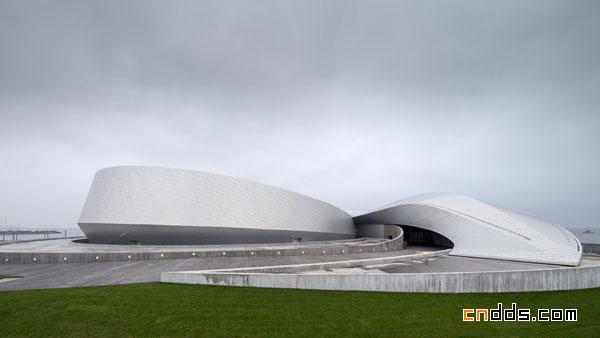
(187, 310)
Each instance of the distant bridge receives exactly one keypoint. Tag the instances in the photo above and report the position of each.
(14, 232)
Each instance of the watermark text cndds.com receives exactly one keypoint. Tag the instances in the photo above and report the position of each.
(512, 314)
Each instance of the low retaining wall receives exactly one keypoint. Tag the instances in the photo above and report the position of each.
(92, 257)
(591, 248)
(567, 278)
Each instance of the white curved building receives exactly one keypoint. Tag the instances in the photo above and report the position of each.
(151, 205)
(481, 230)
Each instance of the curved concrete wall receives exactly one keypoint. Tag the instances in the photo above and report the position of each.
(154, 205)
(560, 278)
(140, 253)
(481, 230)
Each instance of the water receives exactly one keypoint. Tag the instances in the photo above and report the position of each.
(592, 237)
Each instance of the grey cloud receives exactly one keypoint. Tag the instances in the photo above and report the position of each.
(357, 103)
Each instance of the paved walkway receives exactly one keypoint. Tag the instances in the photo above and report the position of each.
(36, 276)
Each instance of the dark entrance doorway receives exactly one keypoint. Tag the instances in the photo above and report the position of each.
(420, 236)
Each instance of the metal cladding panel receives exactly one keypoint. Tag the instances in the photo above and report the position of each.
(163, 196)
(482, 230)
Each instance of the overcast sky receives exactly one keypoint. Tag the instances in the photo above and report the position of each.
(355, 103)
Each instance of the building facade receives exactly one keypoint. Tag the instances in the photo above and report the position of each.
(152, 205)
(477, 229)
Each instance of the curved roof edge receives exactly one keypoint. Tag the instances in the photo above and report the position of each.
(479, 229)
(181, 197)
(192, 171)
